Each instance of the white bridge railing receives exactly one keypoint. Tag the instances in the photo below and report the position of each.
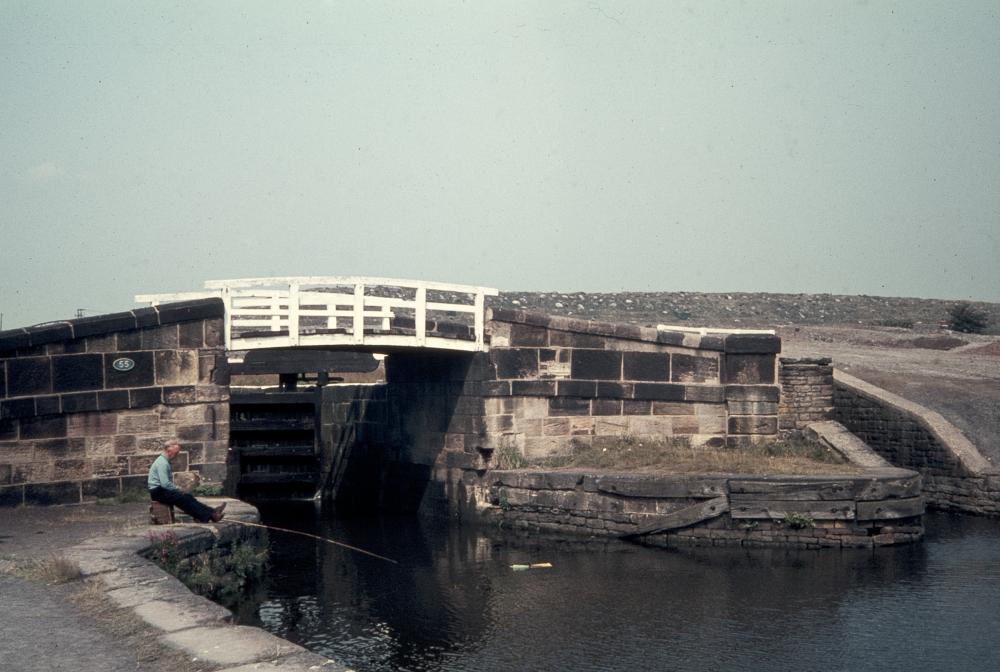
(342, 310)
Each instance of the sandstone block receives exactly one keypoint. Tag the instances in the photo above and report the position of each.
(176, 367)
(71, 373)
(28, 376)
(596, 365)
(607, 407)
(646, 366)
(753, 424)
(694, 368)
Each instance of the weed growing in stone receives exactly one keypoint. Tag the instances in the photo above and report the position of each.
(207, 490)
(223, 574)
(798, 521)
(507, 456)
(165, 550)
(127, 497)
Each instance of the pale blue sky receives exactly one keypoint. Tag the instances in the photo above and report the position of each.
(594, 146)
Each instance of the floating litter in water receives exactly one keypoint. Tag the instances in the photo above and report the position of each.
(520, 568)
(534, 565)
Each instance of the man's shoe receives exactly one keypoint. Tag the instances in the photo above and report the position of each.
(217, 513)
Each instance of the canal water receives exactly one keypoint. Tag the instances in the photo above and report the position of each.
(453, 602)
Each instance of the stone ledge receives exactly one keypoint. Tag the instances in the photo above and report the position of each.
(100, 325)
(853, 449)
(190, 623)
(719, 342)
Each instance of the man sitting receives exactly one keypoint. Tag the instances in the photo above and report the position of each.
(162, 489)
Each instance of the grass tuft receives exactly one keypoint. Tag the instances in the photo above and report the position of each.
(51, 570)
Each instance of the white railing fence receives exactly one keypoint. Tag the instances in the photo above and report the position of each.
(260, 312)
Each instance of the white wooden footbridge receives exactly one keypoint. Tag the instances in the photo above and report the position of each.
(367, 313)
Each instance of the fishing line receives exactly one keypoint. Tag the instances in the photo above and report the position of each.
(313, 536)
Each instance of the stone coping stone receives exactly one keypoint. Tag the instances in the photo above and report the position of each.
(292, 663)
(721, 342)
(230, 645)
(99, 325)
(848, 445)
(191, 623)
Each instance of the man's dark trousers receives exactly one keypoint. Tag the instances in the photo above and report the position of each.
(183, 501)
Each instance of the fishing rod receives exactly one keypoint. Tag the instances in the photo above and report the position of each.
(313, 536)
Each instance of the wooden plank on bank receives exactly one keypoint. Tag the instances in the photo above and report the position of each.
(685, 517)
(891, 488)
(891, 509)
(899, 484)
(787, 490)
(662, 486)
(742, 506)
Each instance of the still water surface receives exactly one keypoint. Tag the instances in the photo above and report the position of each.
(453, 602)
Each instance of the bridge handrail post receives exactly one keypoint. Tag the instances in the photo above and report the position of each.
(293, 313)
(227, 302)
(359, 313)
(420, 315)
(275, 311)
(480, 318)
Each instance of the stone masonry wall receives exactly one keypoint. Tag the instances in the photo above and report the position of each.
(955, 475)
(87, 404)
(806, 392)
(438, 427)
(551, 385)
(352, 439)
(563, 385)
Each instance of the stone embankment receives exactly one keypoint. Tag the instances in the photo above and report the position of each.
(883, 506)
(193, 624)
(956, 476)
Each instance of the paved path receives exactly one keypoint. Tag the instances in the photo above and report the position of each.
(44, 631)
(42, 628)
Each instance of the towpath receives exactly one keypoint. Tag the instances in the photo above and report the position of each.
(53, 627)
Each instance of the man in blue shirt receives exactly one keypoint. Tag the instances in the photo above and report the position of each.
(162, 488)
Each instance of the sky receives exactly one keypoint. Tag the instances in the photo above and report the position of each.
(822, 147)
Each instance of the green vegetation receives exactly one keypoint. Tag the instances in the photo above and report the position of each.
(221, 573)
(165, 550)
(967, 319)
(208, 490)
(128, 497)
(798, 521)
(507, 455)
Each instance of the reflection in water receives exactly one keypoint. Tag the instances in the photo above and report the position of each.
(453, 602)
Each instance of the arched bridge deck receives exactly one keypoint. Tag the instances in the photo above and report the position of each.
(359, 312)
